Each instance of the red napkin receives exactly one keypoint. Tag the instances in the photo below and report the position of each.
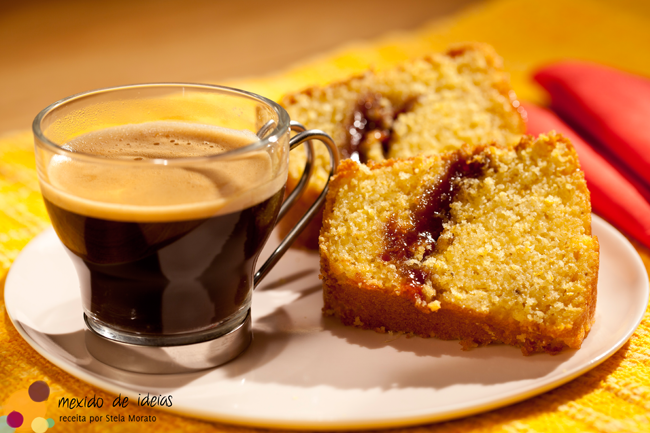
(610, 105)
(612, 196)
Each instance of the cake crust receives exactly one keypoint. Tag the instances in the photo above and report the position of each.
(370, 307)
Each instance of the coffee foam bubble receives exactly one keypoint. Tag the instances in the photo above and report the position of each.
(160, 193)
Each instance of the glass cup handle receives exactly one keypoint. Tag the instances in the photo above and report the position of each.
(303, 136)
(306, 173)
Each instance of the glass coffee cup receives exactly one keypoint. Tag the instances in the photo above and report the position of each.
(164, 196)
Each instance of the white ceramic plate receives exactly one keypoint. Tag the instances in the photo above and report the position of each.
(307, 371)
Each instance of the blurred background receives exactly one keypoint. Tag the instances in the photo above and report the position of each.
(53, 49)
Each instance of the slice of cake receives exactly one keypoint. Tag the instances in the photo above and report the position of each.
(489, 244)
(425, 106)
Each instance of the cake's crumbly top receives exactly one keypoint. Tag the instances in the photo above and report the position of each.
(425, 106)
(515, 239)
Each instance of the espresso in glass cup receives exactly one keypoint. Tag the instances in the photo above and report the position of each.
(164, 196)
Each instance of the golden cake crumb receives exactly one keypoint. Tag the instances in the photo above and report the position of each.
(509, 259)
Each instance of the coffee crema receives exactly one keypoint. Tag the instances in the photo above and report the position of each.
(158, 192)
(166, 249)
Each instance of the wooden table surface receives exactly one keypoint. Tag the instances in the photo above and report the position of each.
(53, 49)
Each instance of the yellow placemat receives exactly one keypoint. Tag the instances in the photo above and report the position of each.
(613, 397)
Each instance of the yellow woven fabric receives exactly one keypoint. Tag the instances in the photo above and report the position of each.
(613, 397)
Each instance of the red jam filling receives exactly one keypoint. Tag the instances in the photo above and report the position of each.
(372, 120)
(425, 221)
